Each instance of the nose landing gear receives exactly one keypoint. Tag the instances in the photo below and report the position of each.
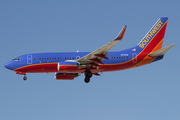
(25, 78)
(22, 73)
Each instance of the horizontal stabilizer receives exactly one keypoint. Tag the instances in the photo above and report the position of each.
(161, 51)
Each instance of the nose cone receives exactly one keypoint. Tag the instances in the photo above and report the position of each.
(9, 65)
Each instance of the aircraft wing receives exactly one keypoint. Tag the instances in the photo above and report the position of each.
(94, 58)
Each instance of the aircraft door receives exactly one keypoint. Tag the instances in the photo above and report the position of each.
(29, 59)
(134, 56)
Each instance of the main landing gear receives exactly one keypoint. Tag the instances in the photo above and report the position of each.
(88, 75)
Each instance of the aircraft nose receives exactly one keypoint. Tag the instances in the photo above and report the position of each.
(9, 65)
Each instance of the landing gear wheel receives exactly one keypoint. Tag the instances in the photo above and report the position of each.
(89, 74)
(24, 78)
(87, 79)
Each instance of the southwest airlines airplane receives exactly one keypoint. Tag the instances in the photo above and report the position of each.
(67, 66)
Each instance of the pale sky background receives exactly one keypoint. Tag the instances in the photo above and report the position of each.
(150, 92)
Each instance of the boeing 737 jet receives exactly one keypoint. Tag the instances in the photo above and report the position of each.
(67, 66)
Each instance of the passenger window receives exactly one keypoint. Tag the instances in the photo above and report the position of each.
(16, 59)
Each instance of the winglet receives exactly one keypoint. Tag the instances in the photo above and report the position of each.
(121, 34)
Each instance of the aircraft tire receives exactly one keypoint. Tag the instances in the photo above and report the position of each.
(87, 79)
(24, 78)
(89, 74)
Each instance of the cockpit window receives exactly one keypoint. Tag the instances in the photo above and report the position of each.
(16, 59)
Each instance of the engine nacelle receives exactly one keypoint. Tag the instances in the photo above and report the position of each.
(65, 76)
(67, 66)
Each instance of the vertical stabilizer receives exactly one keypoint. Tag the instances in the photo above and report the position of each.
(153, 40)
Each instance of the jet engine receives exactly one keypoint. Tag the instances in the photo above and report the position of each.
(67, 66)
(65, 76)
